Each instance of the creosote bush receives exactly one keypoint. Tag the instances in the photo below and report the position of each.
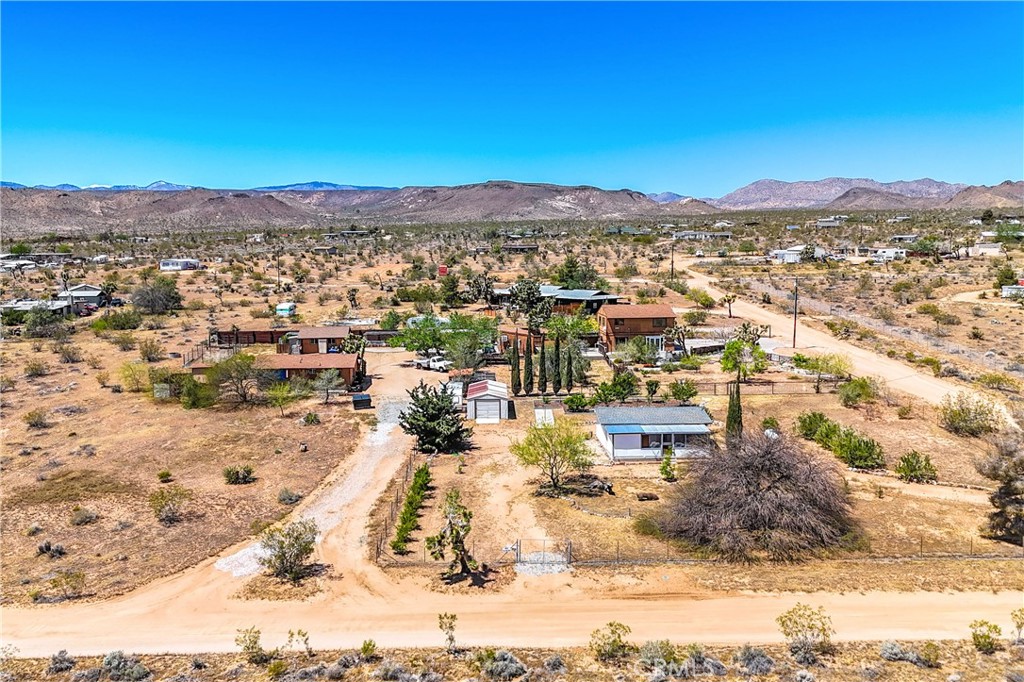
(609, 643)
(914, 467)
(966, 414)
(234, 475)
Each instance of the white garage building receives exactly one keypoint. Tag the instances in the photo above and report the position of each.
(487, 402)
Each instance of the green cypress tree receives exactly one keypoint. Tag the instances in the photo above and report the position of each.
(734, 417)
(517, 383)
(528, 365)
(569, 370)
(556, 374)
(542, 369)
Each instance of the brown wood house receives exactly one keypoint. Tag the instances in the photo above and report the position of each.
(314, 340)
(247, 336)
(285, 365)
(617, 324)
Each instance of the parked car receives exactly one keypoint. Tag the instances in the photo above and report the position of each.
(116, 302)
(439, 364)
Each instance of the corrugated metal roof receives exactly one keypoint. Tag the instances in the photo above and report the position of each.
(649, 416)
(308, 361)
(664, 428)
(336, 332)
(487, 389)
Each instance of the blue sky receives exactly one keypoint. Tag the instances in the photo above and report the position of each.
(694, 98)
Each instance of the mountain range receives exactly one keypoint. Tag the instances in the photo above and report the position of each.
(167, 206)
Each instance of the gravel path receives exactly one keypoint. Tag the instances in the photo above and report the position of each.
(327, 507)
(542, 563)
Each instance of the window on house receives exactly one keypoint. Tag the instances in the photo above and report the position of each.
(659, 322)
(619, 323)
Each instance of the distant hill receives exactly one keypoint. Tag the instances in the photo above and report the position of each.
(317, 186)
(767, 194)
(35, 210)
(865, 199)
(1005, 195)
(666, 197)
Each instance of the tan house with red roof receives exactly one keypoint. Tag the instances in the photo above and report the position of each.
(617, 324)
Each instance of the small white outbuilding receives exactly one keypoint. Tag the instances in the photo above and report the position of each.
(487, 402)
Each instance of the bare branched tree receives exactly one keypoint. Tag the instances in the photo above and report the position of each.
(764, 496)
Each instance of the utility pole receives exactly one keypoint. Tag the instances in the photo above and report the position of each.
(672, 271)
(796, 305)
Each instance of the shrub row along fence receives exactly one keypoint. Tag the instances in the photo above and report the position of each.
(985, 358)
(395, 505)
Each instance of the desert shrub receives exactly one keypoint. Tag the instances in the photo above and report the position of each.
(408, 517)
(124, 341)
(197, 394)
(976, 334)
(684, 391)
(239, 475)
(276, 669)
(927, 656)
(576, 402)
(70, 584)
(808, 424)
(609, 643)
(134, 376)
(368, 650)
(998, 381)
(966, 414)
(51, 550)
(771, 423)
(286, 496)
(164, 476)
(690, 362)
(505, 666)
(857, 391)
(60, 662)
(168, 503)
(808, 632)
(767, 497)
(6, 383)
(118, 320)
(754, 660)
(856, 451)
(37, 419)
(892, 651)
(103, 378)
(555, 665)
(83, 516)
(335, 672)
(151, 350)
(657, 653)
(118, 667)
(248, 641)
(985, 636)
(695, 318)
(916, 468)
(311, 419)
(33, 530)
(389, 670)
(905, 411)
(68, 353)
(36, 368)
(287, 549)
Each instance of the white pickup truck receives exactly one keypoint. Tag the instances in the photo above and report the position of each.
(436, 363)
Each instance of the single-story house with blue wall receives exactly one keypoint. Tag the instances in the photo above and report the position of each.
(635, 434)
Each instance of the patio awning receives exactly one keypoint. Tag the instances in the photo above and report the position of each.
(618, 429)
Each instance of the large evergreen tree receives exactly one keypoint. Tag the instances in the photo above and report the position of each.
(517, 381)
(556, 373)
(434, 420)
(734, 417)
(569, 369)
(528, 365)
(542, 369)
(1005, 466)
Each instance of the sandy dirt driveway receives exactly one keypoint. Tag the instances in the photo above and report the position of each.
(925, 387)
(193, 612)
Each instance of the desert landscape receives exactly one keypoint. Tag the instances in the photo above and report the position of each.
(534, 342)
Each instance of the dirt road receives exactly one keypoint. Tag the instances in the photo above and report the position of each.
(193, 612)
(925, 387)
